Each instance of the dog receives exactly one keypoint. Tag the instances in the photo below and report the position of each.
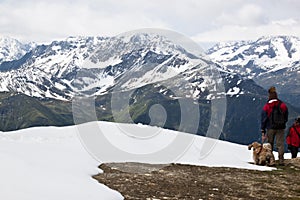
(262, 154)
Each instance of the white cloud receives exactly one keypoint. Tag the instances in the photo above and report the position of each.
(287, 22)
(43, 20)
(212, 20)
(236, 32)
(249, 15)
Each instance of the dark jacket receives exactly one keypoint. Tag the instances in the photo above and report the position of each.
(267, 110)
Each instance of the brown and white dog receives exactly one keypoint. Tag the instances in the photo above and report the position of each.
(262, 154)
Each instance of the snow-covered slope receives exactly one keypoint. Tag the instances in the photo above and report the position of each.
(12, 49)
(48, 163)
(51, 163)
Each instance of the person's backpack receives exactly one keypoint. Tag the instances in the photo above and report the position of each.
(277, 119)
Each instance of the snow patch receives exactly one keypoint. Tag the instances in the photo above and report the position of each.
(233, 91)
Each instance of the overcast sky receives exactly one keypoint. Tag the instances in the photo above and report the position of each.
(203, 21)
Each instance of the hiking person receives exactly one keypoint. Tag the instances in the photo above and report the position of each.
(293, 138)
(274, 116)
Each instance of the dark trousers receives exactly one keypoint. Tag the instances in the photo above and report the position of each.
(294, 151)
(279, 135)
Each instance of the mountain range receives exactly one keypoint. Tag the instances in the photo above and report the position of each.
(39, 82)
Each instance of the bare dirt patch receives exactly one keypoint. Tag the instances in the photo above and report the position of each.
(177, 181)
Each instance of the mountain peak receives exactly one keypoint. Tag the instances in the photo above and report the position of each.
(12, 49)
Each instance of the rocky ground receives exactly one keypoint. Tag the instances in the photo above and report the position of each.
(177, 181)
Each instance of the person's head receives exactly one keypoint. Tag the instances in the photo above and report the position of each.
(297, 121)
(272, 93)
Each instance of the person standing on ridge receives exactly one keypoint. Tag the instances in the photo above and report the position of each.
(293, 138)
(273, 122)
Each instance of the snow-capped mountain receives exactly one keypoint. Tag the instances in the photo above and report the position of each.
(45, 70)
(273, 60)
(12, 49)
(93, 65)
(256, 58)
